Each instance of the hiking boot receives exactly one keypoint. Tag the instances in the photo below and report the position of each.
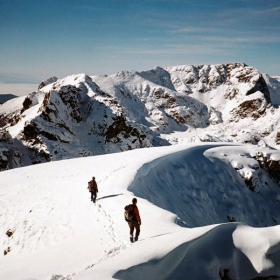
(131, 239)
(136, 238)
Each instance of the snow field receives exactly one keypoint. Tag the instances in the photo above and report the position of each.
(58, 234)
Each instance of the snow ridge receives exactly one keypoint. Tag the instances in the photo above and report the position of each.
(47, 217)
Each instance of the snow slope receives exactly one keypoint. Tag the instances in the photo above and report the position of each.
(186, 193)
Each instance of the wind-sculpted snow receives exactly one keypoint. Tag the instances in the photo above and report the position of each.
(219, 253)
(202, 186)
(50, 230)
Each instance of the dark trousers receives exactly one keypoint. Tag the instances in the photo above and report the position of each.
(135, 225)
(93, 196)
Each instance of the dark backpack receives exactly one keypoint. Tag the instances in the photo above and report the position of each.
(89, 186)
(128, 212)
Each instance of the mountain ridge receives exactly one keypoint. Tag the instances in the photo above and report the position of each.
(83, 115)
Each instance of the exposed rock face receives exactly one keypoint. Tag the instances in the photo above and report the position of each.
(261, 164)
(277, 139)
(4, 153)
(271, 166)
(82, 115)
(250, 109)
(72, 120)
(205, 78)
(47, 82)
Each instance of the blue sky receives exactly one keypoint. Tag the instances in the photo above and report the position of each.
(44, 38)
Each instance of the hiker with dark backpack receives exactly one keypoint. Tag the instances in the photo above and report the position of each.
(132, 216)
(92, 187)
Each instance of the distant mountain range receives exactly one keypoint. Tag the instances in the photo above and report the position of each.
(80, 116)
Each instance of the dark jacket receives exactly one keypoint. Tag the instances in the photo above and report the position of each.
(94, 187)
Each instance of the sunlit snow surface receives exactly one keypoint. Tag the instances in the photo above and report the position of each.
(186, 194)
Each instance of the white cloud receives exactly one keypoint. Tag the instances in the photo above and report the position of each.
(268, 12)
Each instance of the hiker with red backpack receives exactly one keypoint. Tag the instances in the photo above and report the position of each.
(92, 187)
(132, 216)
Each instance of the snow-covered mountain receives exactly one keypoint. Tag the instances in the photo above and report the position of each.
(199, 218)
(209, 205)
(81, 116)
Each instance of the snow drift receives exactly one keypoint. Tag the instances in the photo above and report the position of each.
(51, 230)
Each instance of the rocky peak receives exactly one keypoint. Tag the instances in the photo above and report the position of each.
(82, 115)
(71, 117)
(47, 82)
(238, 78)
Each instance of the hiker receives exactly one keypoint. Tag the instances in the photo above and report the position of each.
(92, 186)
(135, 221)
